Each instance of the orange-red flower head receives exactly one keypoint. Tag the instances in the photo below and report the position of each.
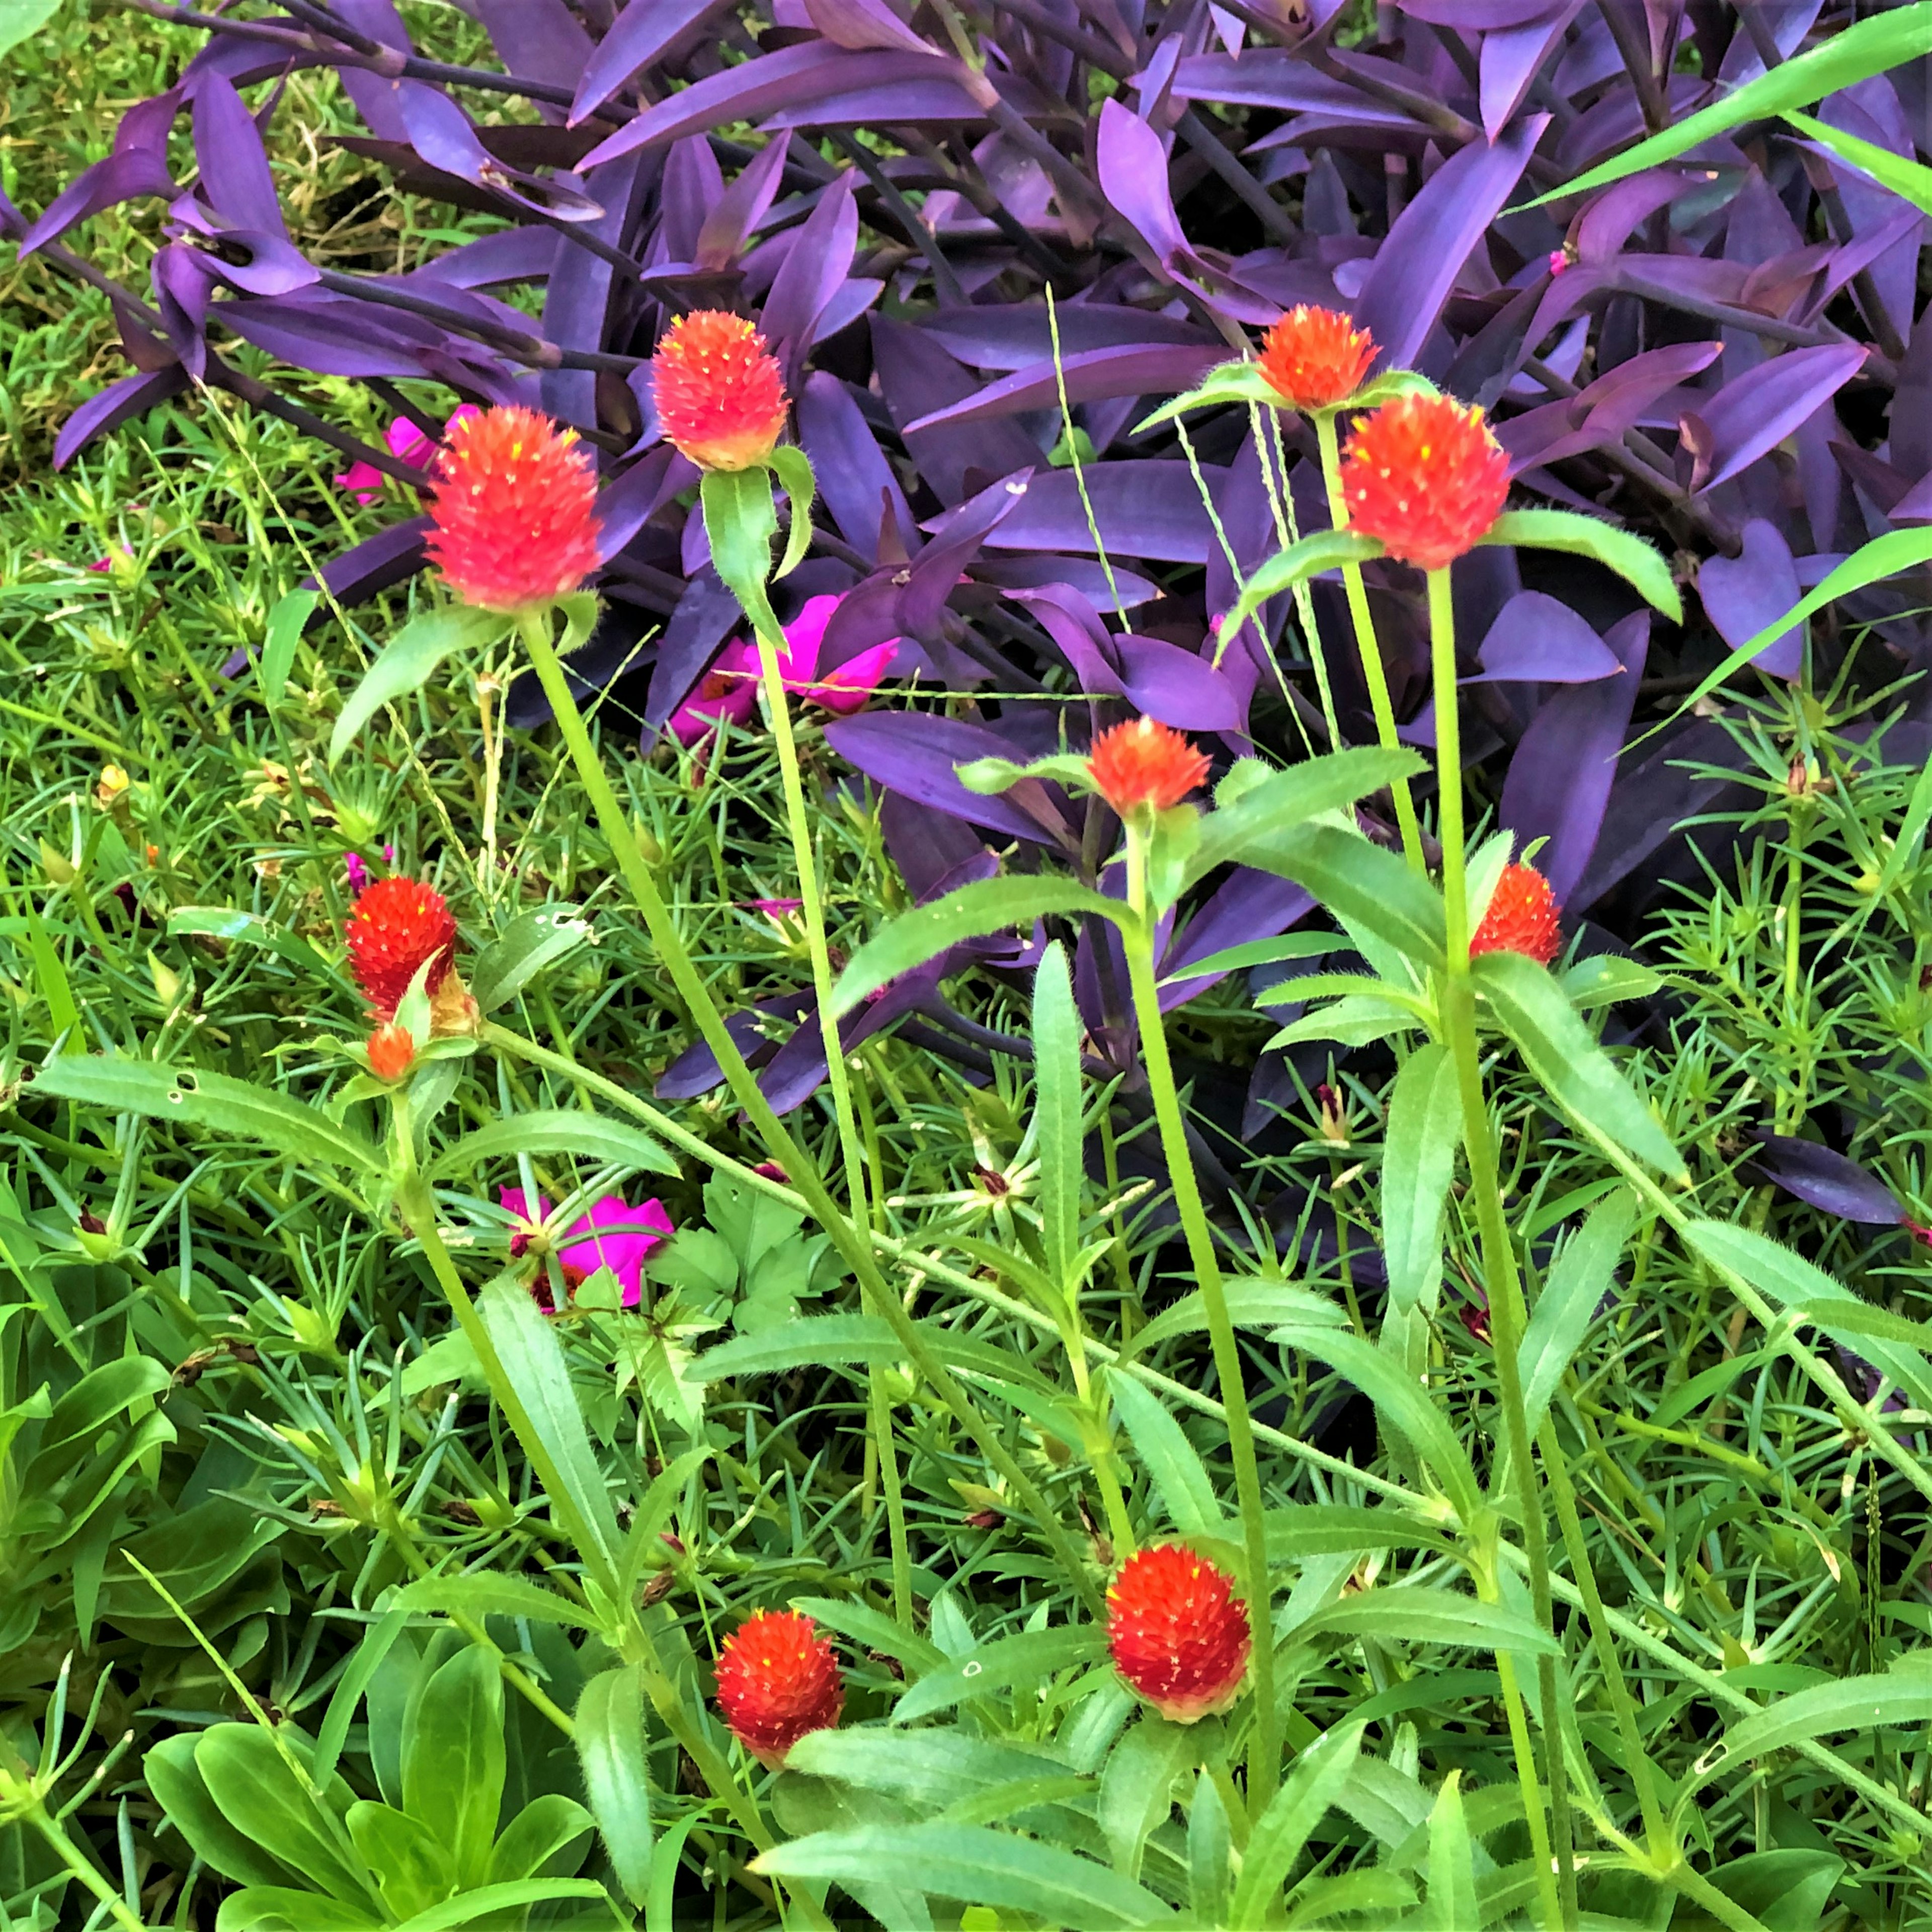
(721, 399)
(1178, 1634)
(1521, 917)
(514, 517)
(1316, 357)
(397, 924)
(1144, 762)
(777, 1680)
(391, 1048)
(1424, 474)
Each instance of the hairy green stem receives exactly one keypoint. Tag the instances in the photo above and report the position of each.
(1264, 1752)
(790, 1154)
(1507, 1315)
(1365, 641)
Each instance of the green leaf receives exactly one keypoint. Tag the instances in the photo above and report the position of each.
(409, 660)
(566, 1130)
(1325, 550)
(453, 1759)
(489, 1593)
(547, 1825)
(1251, 1304)
(1843, 58)
(377, 1642)
(740, 520)
(267, 1908)
(249, 929)
(533, 1359)
(1425, 1129)
(1572, 1292)
(410, 1862)
(1558, 1049)
(819, 1341)
(1210, 1845)
(1359, 1020)
(1452, 1862)
(1412, 1613)
(792, 468)
(1173, 1464)
(1241, 383)
(19, 18)
(1297, 1530)
(1310, 1787)
(259, 1794)
(494, 1905)
(286, 624)
(1883, 557)
(285, 1126)
(1790, 1281)
(1911, 181)
(175, 1780)
(1284, 798)
(1641, 566)
(1400, 1403)
(1605, 978)
(999, 1665)
(1362, 883)
(978, 1865)
(611, 1747)
(1786, 1890)
(988, 905)
(1902, 1695)
(1056, 1115)
(874, 1629)
(1137, 1789)
(531, 941)
(1257, 952)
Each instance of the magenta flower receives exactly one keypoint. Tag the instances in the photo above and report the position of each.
(614, 1235)
(407, 444)
(728, 691)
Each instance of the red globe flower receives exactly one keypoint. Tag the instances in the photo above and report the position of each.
(514, 512)
(1521, 917)
(397, 924)
(720, 397)
(1316, 357)
(777, 1680)
(1144, 762)
(391, 1048)
(1424, 475)
(1178, 1634)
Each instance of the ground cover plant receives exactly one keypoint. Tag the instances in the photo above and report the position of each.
(968, 966)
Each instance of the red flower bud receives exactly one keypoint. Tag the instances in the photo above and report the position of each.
(1144, 762)
(391, 1049)
(1424, 475)
(720, 399)
(1521, 917)
(397, 924)
(1178, 1634)
(514, 515)
(1316, 357)
(777, 1681)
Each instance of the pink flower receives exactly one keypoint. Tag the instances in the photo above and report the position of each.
(614, 1235)
(1559, 261)
(120, 553)
(728, 691)
(407, 444)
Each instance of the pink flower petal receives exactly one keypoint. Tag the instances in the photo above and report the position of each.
(637, 1233)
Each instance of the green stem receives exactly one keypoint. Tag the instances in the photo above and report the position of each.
(1365, 641)
(1507, 1316)
(790, 1154)
(83, 1868)
(1264, 1752)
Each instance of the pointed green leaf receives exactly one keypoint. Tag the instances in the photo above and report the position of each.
(1641, 566)
(1233, 833)
(531, 942)
(999, 1665)
(1173, 1464)
(1364, 884)
(611, 1743)
(552, 1130)
(409, 660)
(792, 468)
(1452, 1904)
(286, 621)
(1572, 1292)
(1326, 549)
(1312, 1784)
(1057, 1116)
(1425, 1129)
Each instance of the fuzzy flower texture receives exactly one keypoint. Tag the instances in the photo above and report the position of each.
(1144, 762)
(1316, 358)
(1521, 918)
(1178, 1634)
(721, 399)
(396, 925)
(514, 519)
(778, 1680)
(728, 692)
(1424, 475)
(614, 1235)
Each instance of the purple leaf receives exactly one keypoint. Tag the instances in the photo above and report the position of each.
(625, 506)
(1512, 56)
(1132, 168)
(1652, 798)
(1136, 371)
(1742, 595)
(1825, 1181)
(1762, 407)
(915, 755)
(1477, 16)
(917, 378)
(577, 298)
(1178, 688)
(118, 403)
(376, 564)
(730, 222)
(928, 584)
(1435, 235)
(913, 87)
(234, 169)
(1149, 509)
(812, 273)
(644, 31)
(706, 615)
(1016, 337)
(931, 850)
(331, 335)
(855, 481)
(134, 171)
(442, 136)
(1560, 776)
(541, 38)
(1077, 574)
(1250, 905)
(863, 23)
(1536, 639)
